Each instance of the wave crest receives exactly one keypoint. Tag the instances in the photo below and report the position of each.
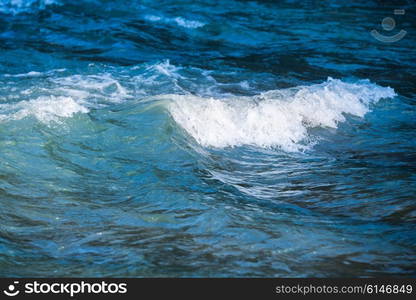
(46, 109)
(278, 118)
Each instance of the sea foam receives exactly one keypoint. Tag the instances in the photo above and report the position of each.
(45, 108)
(52, 97)
(278, 118)
(182, 22)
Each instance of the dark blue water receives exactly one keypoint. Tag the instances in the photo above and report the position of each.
(207, 138)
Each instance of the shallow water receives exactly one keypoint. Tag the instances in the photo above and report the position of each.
(191, 138)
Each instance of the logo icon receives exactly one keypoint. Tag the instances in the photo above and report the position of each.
(389, 24)
(11, 291)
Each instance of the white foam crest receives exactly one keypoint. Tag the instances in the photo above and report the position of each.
(34, 74)
(165, 68)
(51, 96)
(102, 86)
(188, 23)
(180, 21)
(278, 118)
(152, 18)
(157, 78)
(29, 74)
(45, 108)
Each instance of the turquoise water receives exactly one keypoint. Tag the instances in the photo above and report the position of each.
(202, 138)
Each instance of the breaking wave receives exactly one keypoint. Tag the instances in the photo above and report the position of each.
(279, 118)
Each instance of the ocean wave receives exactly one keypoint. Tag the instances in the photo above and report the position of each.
(98, 88)
(274, 119)
(46, 109)
(52, 95)
(102, 87)
(279, 118)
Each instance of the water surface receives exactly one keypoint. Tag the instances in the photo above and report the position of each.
(203, 138)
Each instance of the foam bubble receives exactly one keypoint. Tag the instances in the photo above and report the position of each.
(278, 118)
